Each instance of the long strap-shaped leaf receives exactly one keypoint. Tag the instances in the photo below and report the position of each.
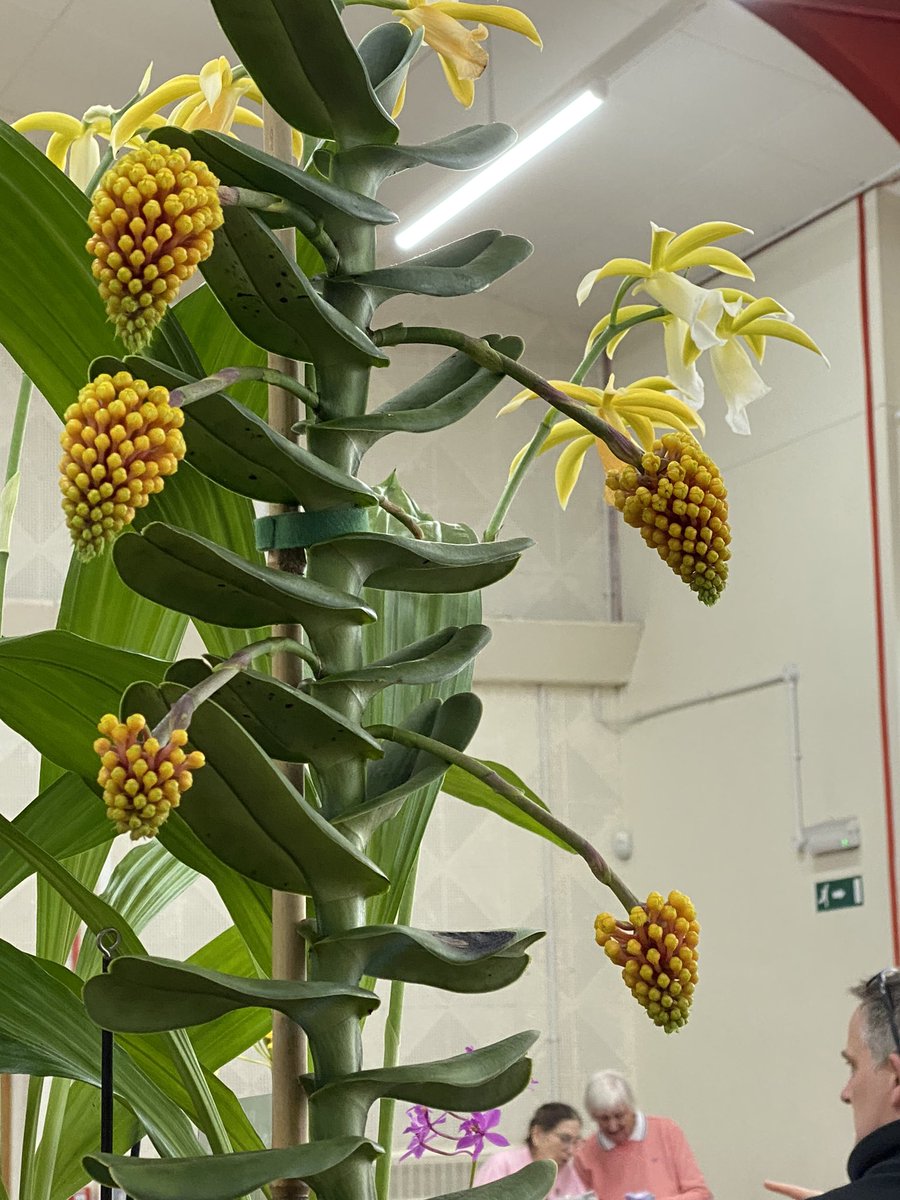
(98, 915)
(44, 1030)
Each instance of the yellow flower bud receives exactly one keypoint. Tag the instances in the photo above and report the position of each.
(130, 436)
(133, 799)
(139, 262)
(696, 544)
(656, 950)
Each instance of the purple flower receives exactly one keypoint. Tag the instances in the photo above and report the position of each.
(423, 1130)
(477, 1130)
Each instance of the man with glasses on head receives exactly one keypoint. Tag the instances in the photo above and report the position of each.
(873, 1092)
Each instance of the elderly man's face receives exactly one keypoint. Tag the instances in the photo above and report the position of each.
(873, 1092)
(616, 1123)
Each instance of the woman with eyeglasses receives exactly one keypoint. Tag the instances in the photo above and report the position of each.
(553, 1133)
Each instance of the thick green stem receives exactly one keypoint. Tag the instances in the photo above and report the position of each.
(231, 375)
(598, 865)
(298, 218)
(517, 476)
(492, 360)
(10, 491)
(391, 1055)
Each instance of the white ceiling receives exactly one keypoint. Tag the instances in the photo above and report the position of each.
(719, 117)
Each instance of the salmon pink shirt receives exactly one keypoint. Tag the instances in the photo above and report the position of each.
(507, 1162)
(656, 1159)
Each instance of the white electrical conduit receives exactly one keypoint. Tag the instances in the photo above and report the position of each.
(790, 679)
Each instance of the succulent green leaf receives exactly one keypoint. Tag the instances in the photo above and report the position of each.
(44, 1030)
(392, 563)
(438, 657)
(461, 961)
(465, 150)
(387, 52)
(484, 1078)
(307, 68)
(55, 687)
(238, 164)
(220, 1041)
(197, 577)
(290, 725)
(227, 1176)
(273, 303)
(229, 443)
(533, 1182)
(404, 770)
(220, 344)
(449, 392)
(474, 791)
(248, 904)
(457, 269)
(146, 995)
(248, 813)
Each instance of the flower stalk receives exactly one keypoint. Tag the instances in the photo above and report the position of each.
(311, 229)
(597, 864)
(492, 360)
(517, 476)
(229, 376)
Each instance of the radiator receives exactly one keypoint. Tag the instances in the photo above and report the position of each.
(429, 1176)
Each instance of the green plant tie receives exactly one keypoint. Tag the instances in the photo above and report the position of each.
(297, 530)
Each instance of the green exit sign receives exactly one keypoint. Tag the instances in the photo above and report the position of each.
(839, 893)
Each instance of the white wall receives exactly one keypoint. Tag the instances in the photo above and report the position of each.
(755, 1078)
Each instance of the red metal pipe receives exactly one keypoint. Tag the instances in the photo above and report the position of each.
(880, 639)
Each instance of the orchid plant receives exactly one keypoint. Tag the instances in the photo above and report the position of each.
(301, 756)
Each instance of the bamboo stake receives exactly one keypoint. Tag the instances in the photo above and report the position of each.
(289, 1054)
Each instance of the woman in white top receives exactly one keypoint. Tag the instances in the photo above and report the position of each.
(553, 1133)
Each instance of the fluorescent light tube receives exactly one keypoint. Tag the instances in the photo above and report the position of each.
(521, 153)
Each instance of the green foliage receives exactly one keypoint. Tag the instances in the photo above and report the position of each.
(462, 961)
(204, 580)
(392, 620)
(458, 269)
(307, 68)
(474, 791)
(273, 303)
(146, 995)
(231, 1176)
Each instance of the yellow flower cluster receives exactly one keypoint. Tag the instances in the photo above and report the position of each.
(142, 781)
(678, 501)
(657, 951)
(121, 439)
(153, 218)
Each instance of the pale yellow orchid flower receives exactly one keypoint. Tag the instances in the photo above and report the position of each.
(210, 100)
(642, 407)
(700, 308)
(459, 48)
(737, 378)
(681, 370)
(73, 144)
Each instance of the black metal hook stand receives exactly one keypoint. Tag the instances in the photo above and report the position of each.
(107, 943)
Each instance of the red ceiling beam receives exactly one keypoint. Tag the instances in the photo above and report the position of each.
(856, 41)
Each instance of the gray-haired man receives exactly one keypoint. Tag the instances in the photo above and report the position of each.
(873, 1092)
